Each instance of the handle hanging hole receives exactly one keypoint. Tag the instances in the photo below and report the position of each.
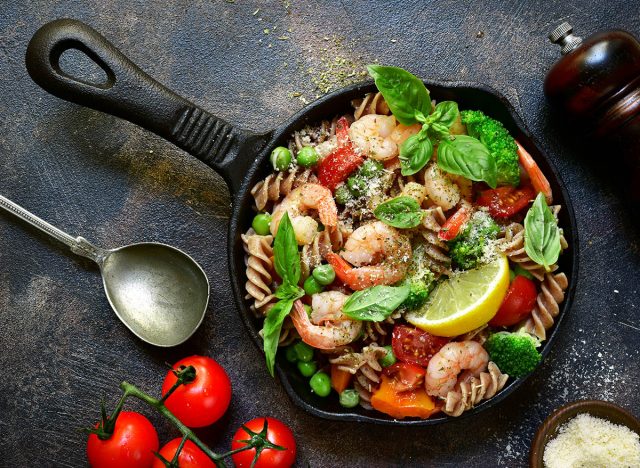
(84, 66)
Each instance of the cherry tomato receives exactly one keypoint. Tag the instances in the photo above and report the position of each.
(405, 376)
(451, 227)
(504, 202)
(277, 433)
(415, 346)
(517, 304)
(190, 455)
(203, 401)
(131, 445)
(337, 166)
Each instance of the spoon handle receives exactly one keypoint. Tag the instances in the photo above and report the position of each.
(78, 245)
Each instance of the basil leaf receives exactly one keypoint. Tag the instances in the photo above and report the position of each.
(447, 113)
(467, 157)
(541, 234)
(415, 153)
(404, 93)
(271, 330)
(400, 212)
(285, 252)
(289, 291)
(375, 304)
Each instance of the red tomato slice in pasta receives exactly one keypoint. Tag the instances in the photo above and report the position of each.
(504, 202)
(405, 376)
(517, 304)
(337, 166)
(415, 346)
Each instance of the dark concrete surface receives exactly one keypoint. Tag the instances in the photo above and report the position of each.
(97, 176)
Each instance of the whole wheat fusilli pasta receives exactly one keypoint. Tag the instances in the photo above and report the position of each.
(435, 249)
(276, 186)
(547, 306)
(372, 103)
(471, 392)
(259, 265)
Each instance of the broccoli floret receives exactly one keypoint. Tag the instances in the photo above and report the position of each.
(469, 246)
(420, 278)
(498, 141)
(514, 353)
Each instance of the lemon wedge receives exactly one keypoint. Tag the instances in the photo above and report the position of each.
(465, 301)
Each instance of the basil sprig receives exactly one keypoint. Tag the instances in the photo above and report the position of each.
(407, 98)
(376, 303)
(405, 94)
(466, 156)
(287, 265)
(541, 234)
(400, 212)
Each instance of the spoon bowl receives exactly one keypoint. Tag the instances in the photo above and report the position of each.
(159, 292)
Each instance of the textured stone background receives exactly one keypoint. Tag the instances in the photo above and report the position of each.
(91, 174)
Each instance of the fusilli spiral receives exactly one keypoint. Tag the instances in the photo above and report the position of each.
(470, 393)
(378, 331)
(547, 305)
(278, 185)
(372, 103)
(435, 249)
(259, 266)
(366, 369)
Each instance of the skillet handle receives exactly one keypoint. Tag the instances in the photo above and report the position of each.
(131, 94)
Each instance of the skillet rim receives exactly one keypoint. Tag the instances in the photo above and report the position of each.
(242, 197)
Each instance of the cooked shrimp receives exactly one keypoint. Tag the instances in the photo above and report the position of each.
(445, 366)
(380, 253)
(441, 190)
(402, 132)
(371, 134)
(336, 332)
(538, 179)
(327, 306)
(298, 202)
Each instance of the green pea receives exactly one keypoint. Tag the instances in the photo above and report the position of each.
(320, 384)
(324, 274)
(307, 309)
(308, 156)
(357, 185)
(291, 354)
(261, 223)
(280, 158)
(388, 359)
(311, 286)
(512, 275)
(371, 168)
(307, 368)
(349, 398)
(304, 352)
(342, 195)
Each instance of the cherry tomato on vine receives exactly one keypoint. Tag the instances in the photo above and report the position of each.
(517, 304)
(277, 433)
(190, 455)
(203, 401)
(131, 445)
(415, 346)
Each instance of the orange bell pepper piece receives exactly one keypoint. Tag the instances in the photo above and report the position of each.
(399, 405)
(340, 379)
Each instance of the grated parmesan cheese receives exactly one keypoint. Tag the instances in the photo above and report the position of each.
(588, 441)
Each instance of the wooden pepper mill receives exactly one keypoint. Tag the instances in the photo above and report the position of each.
(596, 87)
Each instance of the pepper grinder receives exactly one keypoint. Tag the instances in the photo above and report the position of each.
(595, 86)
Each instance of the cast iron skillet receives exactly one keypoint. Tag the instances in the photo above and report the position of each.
(241, 158)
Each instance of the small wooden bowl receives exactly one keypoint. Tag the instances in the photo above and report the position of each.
(600, 409)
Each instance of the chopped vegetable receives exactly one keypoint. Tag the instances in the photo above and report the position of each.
(324, 274)
(517, 304)
(303, 351)
(311, 286)
(307, 156)
(320, 384)
(414, 403)
(340, 379)
(261, 224)
(514, 353)
(349, 398)
(307, 369)
(504, 202)
(498, 141)
(468, 248)
(280, 158)
(389, 358)
(420, 278)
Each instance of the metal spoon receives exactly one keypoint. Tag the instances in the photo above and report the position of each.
(159, 292)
